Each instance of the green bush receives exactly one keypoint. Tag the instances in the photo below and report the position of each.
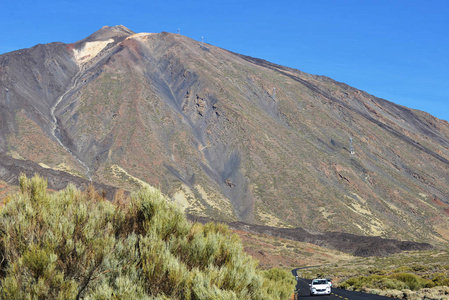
(376, 271)
(420, 268)
(395, 281)
(280, 282)
(412, 282)
(73, 244)
(403, 269)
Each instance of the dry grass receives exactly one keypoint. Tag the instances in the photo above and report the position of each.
(283, 253)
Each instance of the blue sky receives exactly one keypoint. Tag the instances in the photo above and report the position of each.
(394, 49)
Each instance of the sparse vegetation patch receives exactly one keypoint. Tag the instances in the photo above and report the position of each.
(409, 275)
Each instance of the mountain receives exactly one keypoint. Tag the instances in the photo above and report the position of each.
(227, 136)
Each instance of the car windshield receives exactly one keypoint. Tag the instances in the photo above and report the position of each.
(322, 281)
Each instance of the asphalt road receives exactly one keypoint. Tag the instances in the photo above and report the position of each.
(304, 292)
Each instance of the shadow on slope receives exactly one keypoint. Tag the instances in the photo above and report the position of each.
(354, 244)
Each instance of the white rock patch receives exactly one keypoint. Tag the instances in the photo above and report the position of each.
(141, 36)
(90, 50)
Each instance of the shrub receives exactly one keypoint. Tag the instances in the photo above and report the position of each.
(438, 279)
(72, 244)
(376, 271)
(420, 268)
(395, 281)
(280, 282)
(403, 269)
(412, 282)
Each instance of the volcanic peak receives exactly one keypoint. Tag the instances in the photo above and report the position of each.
(89, 47)
(203, 121)
(118, 33)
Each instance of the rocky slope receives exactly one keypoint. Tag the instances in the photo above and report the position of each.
(11, 169)
(227, 136)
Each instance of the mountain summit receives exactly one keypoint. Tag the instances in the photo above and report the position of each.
(107, 32)
(227, 136)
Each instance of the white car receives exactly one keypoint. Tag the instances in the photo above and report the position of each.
(320, 287)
